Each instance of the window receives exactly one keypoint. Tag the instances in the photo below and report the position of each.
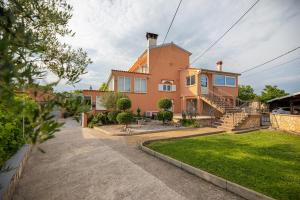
(99, 105)
(140, 85)
(204, 81)
(166, 87)
(124, 84)
(219, 80)
(222, 80)
(230, 81)
(190, 80)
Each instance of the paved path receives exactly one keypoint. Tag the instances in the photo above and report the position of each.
(86, 164)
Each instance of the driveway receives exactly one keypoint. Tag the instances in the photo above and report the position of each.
(86, 164)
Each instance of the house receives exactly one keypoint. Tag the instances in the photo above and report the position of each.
(164, 71)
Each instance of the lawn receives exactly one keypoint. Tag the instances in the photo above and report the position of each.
(265, 161)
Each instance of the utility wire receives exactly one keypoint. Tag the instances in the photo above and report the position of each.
(275, 66)
(213, 44)
(172, 21)
(260, 65)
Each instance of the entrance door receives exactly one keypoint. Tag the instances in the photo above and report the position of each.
(204, 84)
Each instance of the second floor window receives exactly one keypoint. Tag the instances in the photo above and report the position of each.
(140, 85)
(190, 80)
(222, 80)
(124, 84)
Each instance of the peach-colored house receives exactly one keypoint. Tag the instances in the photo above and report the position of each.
(164, 71)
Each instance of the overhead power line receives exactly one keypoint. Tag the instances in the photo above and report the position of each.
(172, 21)
(260, 65)
(275, 66)
(213, 44)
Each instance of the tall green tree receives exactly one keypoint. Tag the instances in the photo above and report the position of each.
(271, 92)
(31, 47)
(246, 93)
(103, 87)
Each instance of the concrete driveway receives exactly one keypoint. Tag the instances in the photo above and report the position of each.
(86, 164)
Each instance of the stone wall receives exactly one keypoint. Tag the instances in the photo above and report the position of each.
(14, 167)
(286, 122)
(253, 121)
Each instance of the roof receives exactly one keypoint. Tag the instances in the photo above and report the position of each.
(213, 71)
(171, 43)
(115, 70)
(284, 97)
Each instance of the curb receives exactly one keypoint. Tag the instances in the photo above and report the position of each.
(10, 178)
(218, 181)
(141, 133)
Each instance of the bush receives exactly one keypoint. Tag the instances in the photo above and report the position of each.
(124, 118)
(112, 116)
(165, 116)
(190, 123)
(123, 104)
(165, 104)
(110, 99)
(138, 111)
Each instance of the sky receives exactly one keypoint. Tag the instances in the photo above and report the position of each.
(113, 34)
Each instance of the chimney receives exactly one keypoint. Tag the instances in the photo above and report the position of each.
(151, 39)
(219, 65)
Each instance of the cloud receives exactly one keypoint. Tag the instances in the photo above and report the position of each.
(113, 33)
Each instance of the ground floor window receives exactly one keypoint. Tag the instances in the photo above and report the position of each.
(140, 85)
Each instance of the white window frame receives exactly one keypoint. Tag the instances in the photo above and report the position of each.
(161, 87)
(139, 91)
(225, 84)
(123, 89)
(98, 102)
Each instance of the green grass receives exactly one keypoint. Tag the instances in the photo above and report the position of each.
(265, 161)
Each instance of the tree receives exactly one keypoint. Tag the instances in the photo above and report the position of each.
(31, 49)
(246, 93)
(124, 118)
(165, 104)
(271, 92)
(123, 104)
(103, 87)
(109, 100)
(165, 115)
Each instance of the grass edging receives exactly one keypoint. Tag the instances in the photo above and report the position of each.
(218, 181)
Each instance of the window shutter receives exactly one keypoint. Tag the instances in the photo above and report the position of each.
(160, 87)
(173, 87)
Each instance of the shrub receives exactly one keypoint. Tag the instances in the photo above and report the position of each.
(138, 111)
(109, 99)
(165, 116)
(165, 104)
(124, 118)
(112, 116)
(190, 123)
(123, 104)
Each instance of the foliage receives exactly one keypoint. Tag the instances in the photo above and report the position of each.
(165, 116)
(271, 92)
(246, 93)
(138, 111)
(98, 118)
(73, 104)
(271, 157)
(112, 116)
(109, 100)
(30, 44)
(123, 104)
(103, 87)
(31, 49)
(124, 118)
(165, 104)
(189, 123)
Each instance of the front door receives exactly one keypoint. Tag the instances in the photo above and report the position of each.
(204, 84)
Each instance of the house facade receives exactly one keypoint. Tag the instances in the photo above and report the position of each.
(164, 71)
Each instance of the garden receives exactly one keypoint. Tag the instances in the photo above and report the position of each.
(266, 161)
(119, 120)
